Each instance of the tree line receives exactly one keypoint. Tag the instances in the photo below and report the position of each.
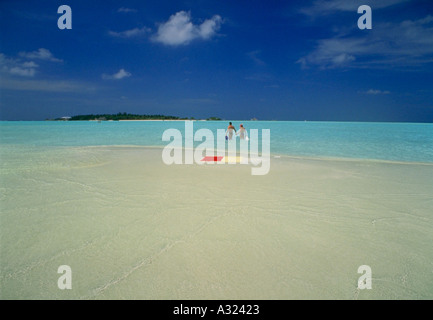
(127, 116)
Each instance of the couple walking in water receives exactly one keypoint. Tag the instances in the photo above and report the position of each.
(242, 132)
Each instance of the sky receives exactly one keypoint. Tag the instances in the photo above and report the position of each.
(233, 59)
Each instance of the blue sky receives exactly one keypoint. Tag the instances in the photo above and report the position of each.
(272, 60)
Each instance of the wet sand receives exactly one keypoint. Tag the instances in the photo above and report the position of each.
(131, 227)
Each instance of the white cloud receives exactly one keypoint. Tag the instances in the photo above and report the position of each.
(41, 54)
(117, 76)
(209, 27)
(407, 44)
(375, 92)
(326, 7)
(126, 10)
(254, 55)
(342, 59)
(136, 32)
(30, 64)
(11, 67)
(16, 67)
(179, 30)
(24, 72)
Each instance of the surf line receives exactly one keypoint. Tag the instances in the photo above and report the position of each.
(181, 150)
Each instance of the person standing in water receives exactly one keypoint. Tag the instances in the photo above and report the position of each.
(229, 132)
(242, 132)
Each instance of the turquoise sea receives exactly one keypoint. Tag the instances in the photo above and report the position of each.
(408, 142)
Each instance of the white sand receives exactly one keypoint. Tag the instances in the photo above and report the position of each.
(131, 227)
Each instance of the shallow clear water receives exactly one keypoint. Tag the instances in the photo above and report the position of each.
(381, 141)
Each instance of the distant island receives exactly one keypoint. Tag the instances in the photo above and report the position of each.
(125, 116)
